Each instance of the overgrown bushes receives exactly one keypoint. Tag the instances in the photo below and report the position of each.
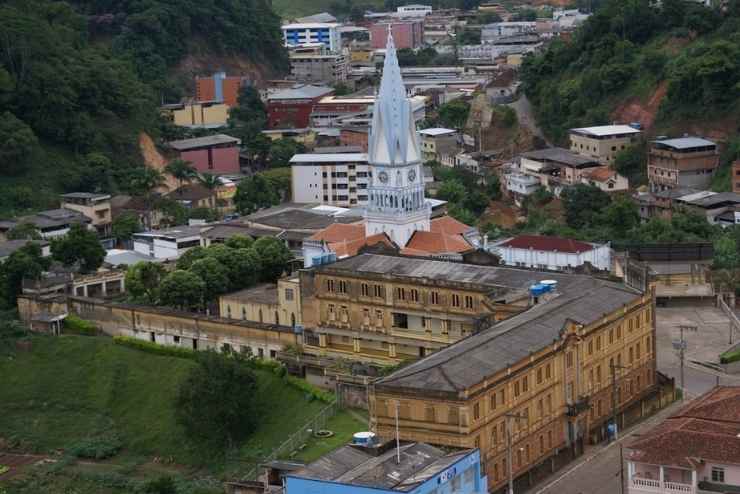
(77, 325)
(149, 347)
(100, 447)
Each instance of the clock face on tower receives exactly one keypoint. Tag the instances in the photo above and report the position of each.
(412, 175)
(383, 177)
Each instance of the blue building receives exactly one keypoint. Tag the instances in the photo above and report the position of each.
(423, 469)
(303, 33)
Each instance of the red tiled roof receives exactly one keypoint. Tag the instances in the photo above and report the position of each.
(435, 243)
(707, 429)
(339, 232)
(448, 225)
(544, 243)
(599, 173)
(351, 247)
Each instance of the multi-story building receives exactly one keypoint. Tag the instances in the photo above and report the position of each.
(334, 110)
(407, 33)
(682, 162)
(414, 10)
(313, 63)
(291, 108)
(491, 33)
(50, 224)
(437, 142)
(694, 451)
(542, 378)
(205, 114)
(602, 142)
(211, 154)
(301, 33)
(96, 207)
(521, 185)
(556, 168)
(386, 309)
(219, 88)
(336, 179)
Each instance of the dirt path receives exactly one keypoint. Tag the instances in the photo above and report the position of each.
(154, 159)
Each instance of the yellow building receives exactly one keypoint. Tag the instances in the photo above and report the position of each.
(602, 142)
(202, 114)
(307, 136)
(361, 56)
(97, 207)
(544, 376)
(269, 303)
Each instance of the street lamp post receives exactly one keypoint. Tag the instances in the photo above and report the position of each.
(509, 469)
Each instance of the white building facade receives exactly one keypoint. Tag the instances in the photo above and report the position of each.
(167, 244)
(552, 253)
(340, 179)
(326, 33)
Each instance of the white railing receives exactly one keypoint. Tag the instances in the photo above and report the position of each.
(640, 482)
(678, 487)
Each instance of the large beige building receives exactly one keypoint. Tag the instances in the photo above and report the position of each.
(269, 303)
(602, 142)
(96, 207)
(544, 375)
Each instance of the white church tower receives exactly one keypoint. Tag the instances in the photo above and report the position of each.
(396, 203)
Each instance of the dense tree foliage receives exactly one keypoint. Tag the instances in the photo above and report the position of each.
(26, 263)
(125, 225)
(628, 46)
(183, 290)
(143, 280)
(454, 114)
(80, 79)
(216, 403)
(255, 193)
(79, 247)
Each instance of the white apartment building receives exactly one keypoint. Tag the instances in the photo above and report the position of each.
(167, 244)
(336, 179)
(414, 10)
(302, 33)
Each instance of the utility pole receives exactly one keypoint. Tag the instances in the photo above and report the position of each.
(509, 469)
(398, 440)
(680, 345)
(615, 398)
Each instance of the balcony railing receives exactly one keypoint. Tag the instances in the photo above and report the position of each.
(651, 485)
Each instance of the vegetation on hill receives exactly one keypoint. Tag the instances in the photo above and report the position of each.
(80, 79)
(87, 397)
(629, 48)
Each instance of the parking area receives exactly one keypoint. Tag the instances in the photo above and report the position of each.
(711, 338)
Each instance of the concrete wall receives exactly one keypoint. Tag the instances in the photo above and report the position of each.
(599, 257)
(166, 326)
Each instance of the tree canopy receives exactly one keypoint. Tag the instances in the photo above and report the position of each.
(79, 246)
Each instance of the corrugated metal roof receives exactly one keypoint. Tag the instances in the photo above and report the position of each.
(329, 158)
(199, 142)
(685, 142)
(605, 130)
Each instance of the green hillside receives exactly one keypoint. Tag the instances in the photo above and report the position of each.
(675, 67)
(69, 391)
(80, 79)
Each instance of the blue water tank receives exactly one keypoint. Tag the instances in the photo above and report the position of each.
(316, 260)
(537, 290)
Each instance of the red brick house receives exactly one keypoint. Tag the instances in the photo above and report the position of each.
(291, 108)
(212, 154)
(406, 34)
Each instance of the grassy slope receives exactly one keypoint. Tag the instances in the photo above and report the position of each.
(66, 389)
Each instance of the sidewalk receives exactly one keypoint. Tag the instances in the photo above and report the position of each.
(602, 474)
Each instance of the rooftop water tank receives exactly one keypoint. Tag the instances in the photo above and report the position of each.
(537, 290)
(363, 438)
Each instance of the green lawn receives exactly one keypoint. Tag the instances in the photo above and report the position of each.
(72, 388)
(343, 425)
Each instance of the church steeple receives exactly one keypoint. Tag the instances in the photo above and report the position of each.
(396, 205)
(393, 139)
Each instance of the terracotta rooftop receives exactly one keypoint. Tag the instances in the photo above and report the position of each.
(599, 173)
(435, 243)
(449, 225)
(351, 247)
(545, 243)
(339, 232)
(708, 429)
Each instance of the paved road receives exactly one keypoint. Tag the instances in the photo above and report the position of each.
(597, 471)
(710, 339)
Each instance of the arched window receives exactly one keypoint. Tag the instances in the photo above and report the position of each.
(260, 315)
(244, 313)
(277, 318)
(292, 320)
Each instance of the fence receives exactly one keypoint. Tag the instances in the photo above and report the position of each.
(734, 321)
(297, 439)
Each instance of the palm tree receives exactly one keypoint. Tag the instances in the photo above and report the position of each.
(209, 180)
(144, 181)
(182, 170)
